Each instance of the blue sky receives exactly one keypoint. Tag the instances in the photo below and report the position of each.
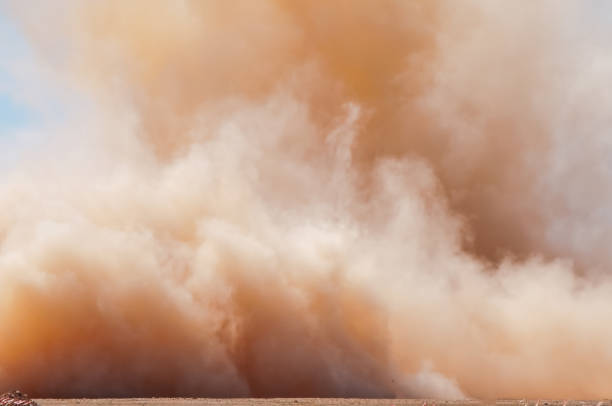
(14, 114)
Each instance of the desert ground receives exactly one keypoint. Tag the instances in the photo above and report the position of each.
(306, 402)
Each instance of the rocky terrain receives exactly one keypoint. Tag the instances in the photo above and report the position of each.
(307, 402)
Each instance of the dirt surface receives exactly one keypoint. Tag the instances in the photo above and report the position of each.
(305, 402)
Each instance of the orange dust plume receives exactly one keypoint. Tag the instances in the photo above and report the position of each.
(364, 198)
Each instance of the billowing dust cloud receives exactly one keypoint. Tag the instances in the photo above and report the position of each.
(312, 198)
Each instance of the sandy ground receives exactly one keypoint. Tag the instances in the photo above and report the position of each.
(303, 402)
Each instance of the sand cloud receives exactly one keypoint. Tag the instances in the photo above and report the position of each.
(309, 198)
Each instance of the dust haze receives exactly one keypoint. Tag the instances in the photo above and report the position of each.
(364, 198)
